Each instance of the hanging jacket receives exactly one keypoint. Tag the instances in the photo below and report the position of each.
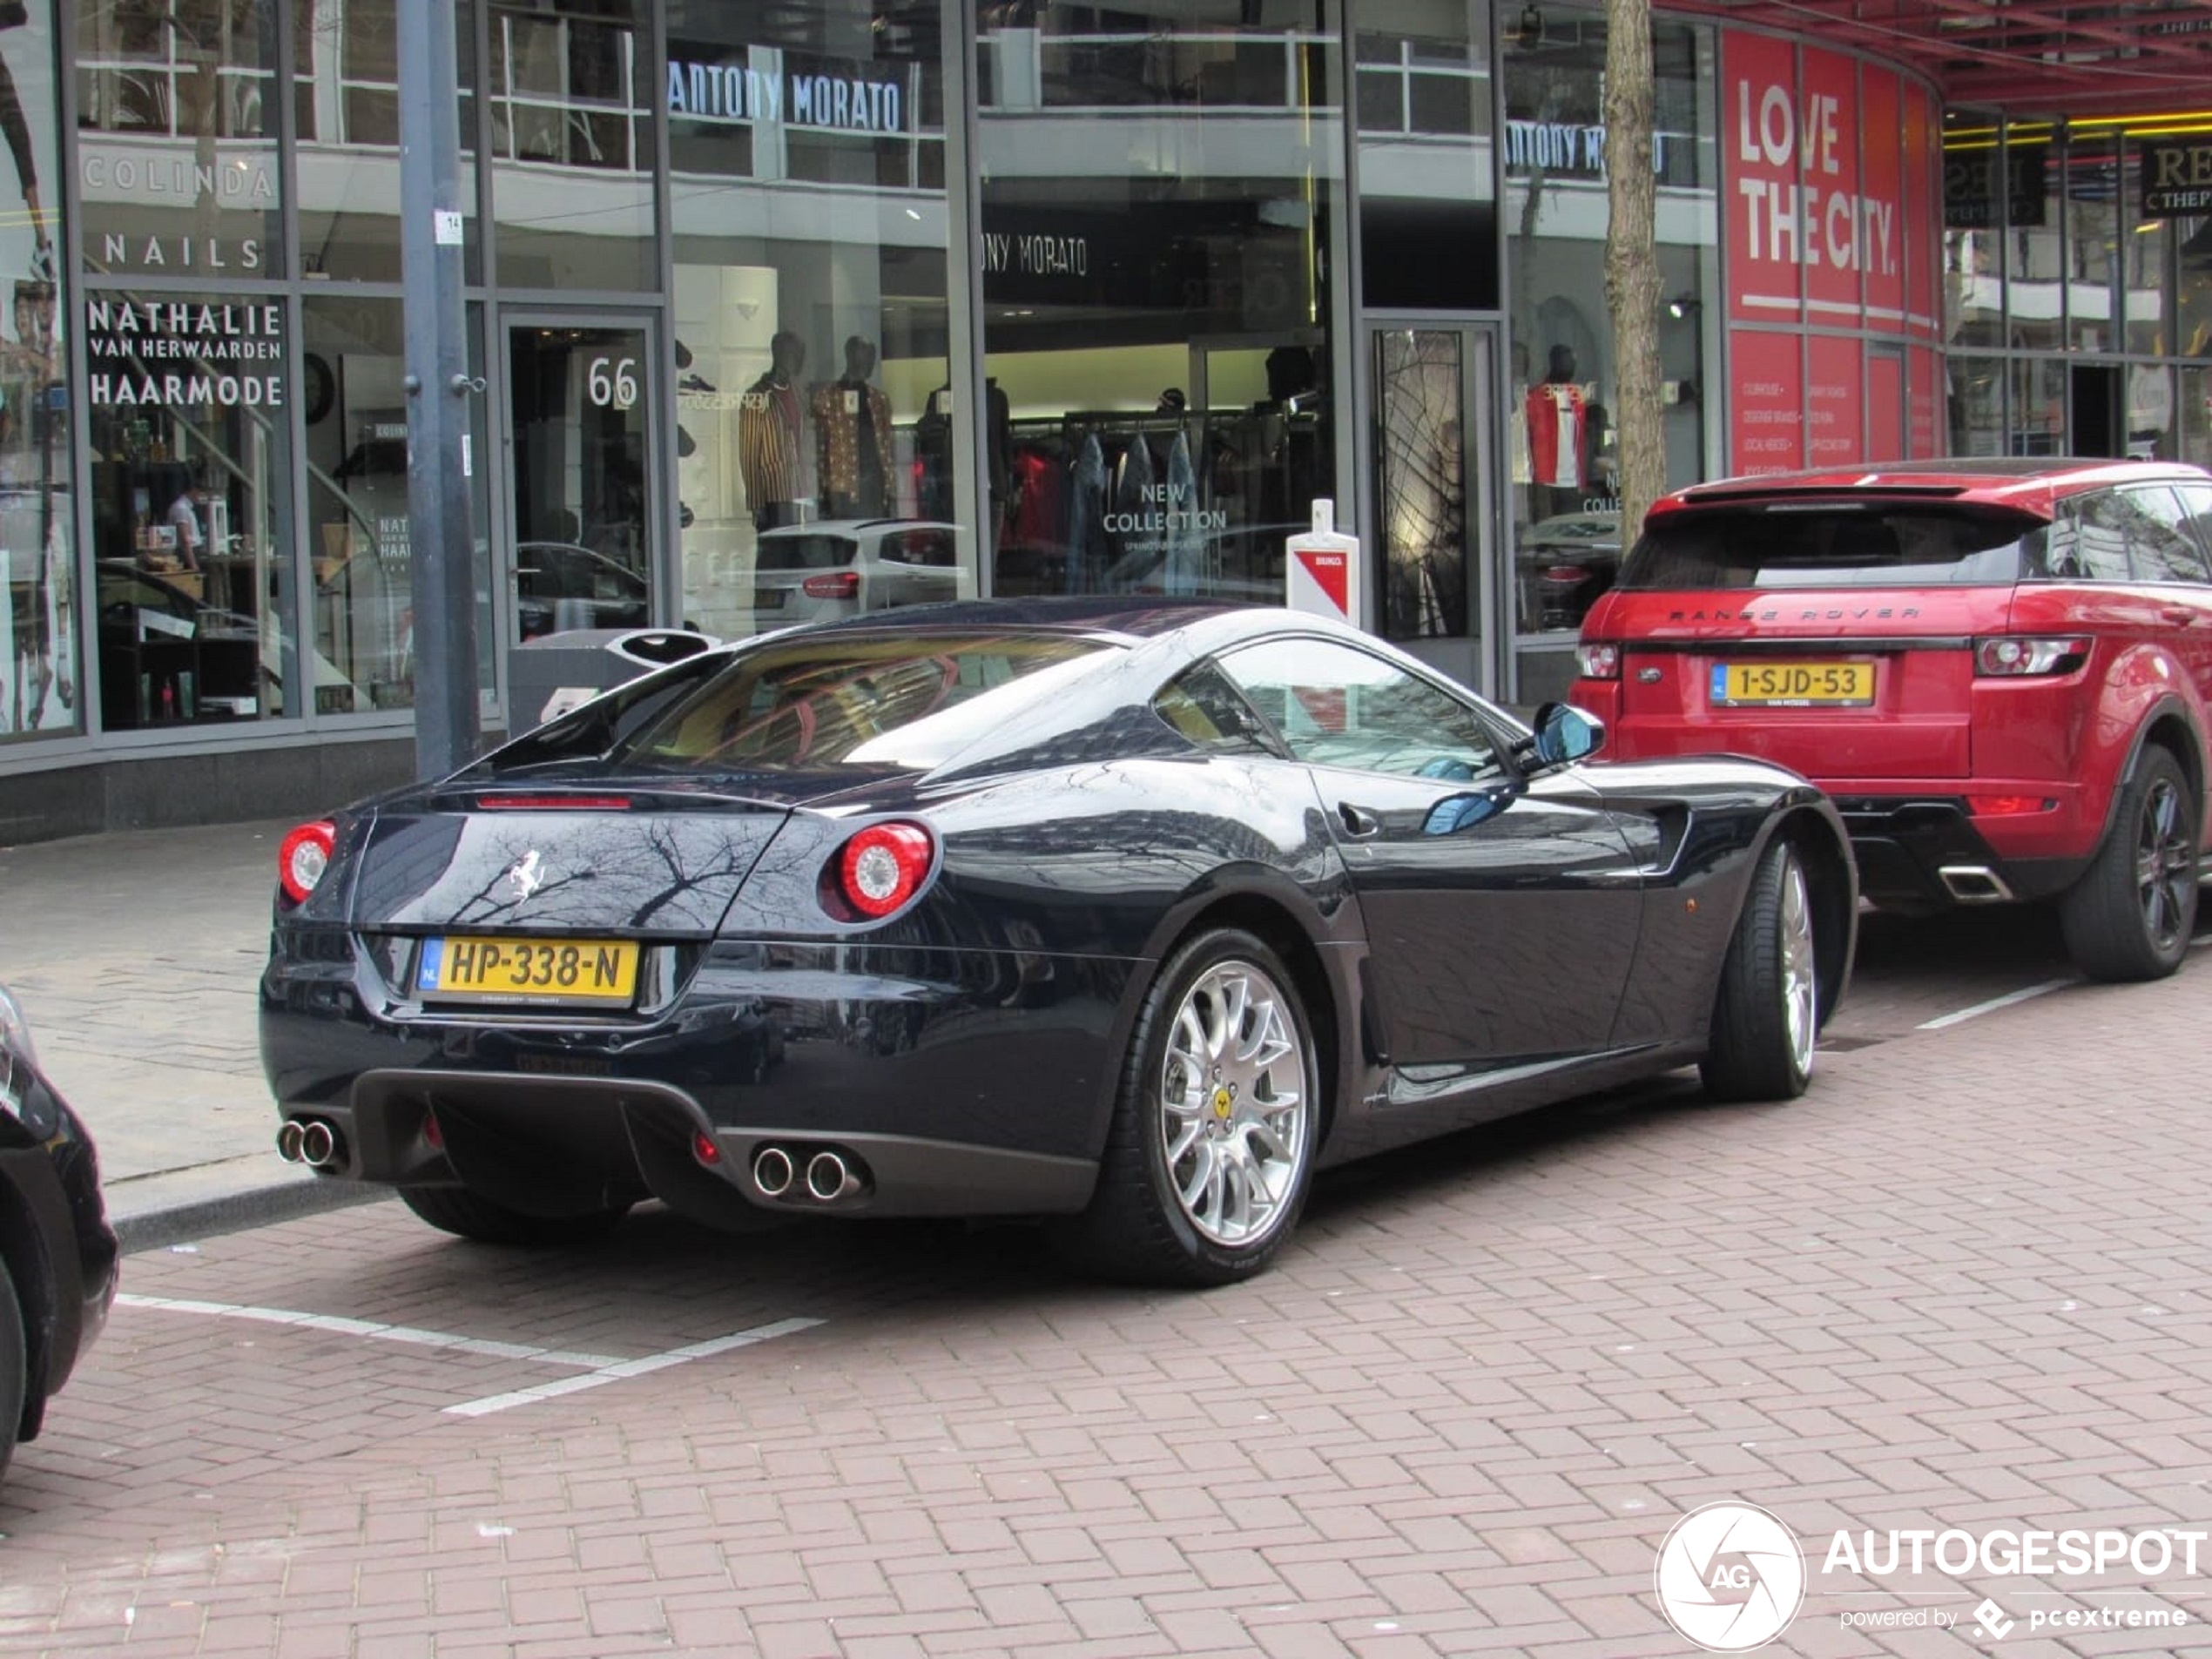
(1087, 524)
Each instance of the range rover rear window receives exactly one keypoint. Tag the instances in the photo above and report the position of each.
(1789, 545)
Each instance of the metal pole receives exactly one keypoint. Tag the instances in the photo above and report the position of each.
(442, 565)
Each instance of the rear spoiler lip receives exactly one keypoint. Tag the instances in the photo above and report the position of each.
(1794, 645)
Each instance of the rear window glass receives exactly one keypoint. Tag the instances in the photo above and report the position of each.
(912, 700)
(1837, 548)
(803, 553)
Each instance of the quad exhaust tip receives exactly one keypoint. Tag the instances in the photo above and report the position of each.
(808, 1175)
(829, 1178)
(309, 1141)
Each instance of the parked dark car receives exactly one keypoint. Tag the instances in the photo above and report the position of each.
(2000, 670)
(57, 1255)
(1124, 914)
(1565, 562)
(559, 585)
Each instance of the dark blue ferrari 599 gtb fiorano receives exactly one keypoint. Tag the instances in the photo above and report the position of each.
(1127, 916)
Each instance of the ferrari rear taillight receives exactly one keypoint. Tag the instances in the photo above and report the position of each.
(881, 868)
(303, 858)
(838, 585)
(2016, 656)
(1600, 659)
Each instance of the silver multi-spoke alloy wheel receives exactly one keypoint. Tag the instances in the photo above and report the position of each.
(1800, 975)
(2165, 863)
(1235, 1105)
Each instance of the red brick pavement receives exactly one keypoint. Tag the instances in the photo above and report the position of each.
(1963, 1284)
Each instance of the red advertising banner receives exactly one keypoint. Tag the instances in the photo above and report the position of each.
(1759, 140)
(1886, 439)
(1842, 233)
(1833, 422)
(1882, 175)
(1923, 403)
(1766, 402)
(1920, 167)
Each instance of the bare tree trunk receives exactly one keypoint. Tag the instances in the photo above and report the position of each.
(1632, 259)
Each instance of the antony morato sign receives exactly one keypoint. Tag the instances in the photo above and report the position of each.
(796, 97)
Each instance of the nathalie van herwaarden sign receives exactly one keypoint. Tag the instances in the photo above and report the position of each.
(195, 355)
(2174, 176)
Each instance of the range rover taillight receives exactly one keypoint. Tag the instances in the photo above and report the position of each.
(1598, 659)
(2019, 656)
(303, 857)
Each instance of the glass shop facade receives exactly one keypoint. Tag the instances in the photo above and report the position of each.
(785, 312)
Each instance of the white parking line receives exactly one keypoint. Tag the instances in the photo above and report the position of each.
(370, 1328)
(1996, 1002)
(616, 1371)
(597, 1368)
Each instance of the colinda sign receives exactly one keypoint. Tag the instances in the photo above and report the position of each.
(797, 96)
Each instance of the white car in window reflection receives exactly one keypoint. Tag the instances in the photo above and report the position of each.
(844, 567)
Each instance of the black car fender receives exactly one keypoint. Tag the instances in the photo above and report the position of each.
(1316, 930)
(1809, 820)
(2164, 716)
(34, 1214)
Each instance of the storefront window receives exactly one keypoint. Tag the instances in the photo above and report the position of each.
(1160, 200)
(345, 82)
(1428, 218)
(1977, 404)
(354, 411)
(572, 156)
(177, 150)
(808, 191)
(1975, 215)
(1562, 446)
(2035, 295)
(38, 668)
(2092, 234)
(188, 404)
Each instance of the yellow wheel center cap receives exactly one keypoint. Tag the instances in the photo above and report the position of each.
(1221, 1106)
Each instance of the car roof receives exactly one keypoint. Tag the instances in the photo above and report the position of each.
(853, 526)
(2025, 482)
(1125, 616)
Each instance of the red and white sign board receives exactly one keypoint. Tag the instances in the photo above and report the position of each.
(1321, 574)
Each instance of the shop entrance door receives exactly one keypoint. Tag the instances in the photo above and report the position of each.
(1436, 526)
(582, 466)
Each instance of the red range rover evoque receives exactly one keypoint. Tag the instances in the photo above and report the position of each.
(1998, 668)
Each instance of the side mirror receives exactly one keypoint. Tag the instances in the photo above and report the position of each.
(1565, 734)
(1456, 813)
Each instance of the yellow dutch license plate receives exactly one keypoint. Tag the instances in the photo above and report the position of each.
(1794, 684)
(464, 969)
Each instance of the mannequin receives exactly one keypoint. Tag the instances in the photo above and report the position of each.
(769, 418)
(852, 438)
(1558, 444)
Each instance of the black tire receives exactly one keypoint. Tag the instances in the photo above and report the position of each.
(1766, 1015)
(2130, 915)
(1253, 1126)
(470, 1215)
(14, 1376)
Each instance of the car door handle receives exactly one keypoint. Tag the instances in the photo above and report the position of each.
(2180, 616)
(1358, 820)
